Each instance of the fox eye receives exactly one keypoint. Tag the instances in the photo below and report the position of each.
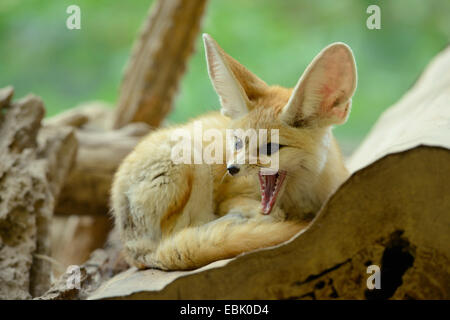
(238, 144)
(270, 148)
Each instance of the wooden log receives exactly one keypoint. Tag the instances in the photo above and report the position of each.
(158, 61)
(74, 238)
(5, 96)
(421, 116)
(392, 213)
(100, 151)
(101, 266)
(93, 115)
(32, 170)
(86, 191)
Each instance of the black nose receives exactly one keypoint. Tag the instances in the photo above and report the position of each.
(233, 170)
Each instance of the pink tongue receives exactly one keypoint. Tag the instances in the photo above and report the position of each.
(270, 187)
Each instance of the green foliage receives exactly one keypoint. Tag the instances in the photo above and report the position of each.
(275, 39)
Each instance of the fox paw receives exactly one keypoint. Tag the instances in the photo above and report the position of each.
(275, 215)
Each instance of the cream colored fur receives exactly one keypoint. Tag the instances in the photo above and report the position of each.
(183, 216)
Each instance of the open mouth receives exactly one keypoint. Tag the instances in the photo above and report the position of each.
(270, 187)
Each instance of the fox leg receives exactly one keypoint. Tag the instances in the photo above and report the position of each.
(249, 208)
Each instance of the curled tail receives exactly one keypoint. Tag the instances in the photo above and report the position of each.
(194, 247)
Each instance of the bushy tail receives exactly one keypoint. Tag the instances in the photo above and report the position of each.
(221, 239)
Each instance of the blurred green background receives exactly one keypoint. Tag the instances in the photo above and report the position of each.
(274, 39)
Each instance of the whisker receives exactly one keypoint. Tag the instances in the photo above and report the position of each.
(223, 177)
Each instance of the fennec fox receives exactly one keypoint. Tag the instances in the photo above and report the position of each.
(175, 216)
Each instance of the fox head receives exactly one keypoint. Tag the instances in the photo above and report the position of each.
(302, 117)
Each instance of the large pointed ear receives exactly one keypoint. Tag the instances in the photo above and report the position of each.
(323, 93)
(235, 85)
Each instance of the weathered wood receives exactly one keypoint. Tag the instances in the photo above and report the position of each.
(5, 96)
(94, 115)
(101, 266)
(21, 195)
(393, 212)
(158, 61)
(86, 191)
(75, 237)
(421, 116)
(56, 155)
(100, 151)
(32, 170)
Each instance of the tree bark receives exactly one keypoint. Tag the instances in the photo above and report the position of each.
(33, 165)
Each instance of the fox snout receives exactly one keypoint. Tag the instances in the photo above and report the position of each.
(233, 169)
